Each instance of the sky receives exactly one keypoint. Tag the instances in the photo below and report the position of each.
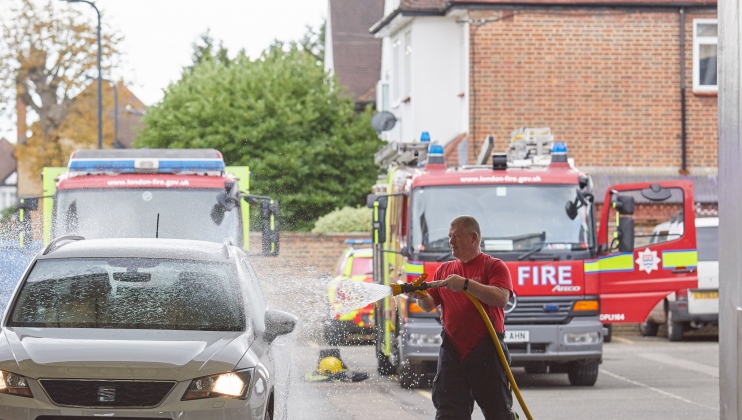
(158, 34)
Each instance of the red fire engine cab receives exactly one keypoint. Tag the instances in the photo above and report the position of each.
(571, 271)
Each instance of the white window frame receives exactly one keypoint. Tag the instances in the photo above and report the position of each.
(697, 42)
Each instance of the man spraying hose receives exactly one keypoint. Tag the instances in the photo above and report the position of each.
(468, 366)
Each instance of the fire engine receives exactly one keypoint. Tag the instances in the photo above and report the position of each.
(571, 271)
(152, 193)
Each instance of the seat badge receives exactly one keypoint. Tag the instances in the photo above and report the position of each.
(106, 393)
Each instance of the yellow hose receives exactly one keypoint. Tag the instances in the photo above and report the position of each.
(500, 353)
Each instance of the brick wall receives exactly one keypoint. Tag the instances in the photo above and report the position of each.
(606, 82)
(303, 253)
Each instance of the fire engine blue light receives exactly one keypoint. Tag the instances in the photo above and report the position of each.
(559, 147)
(358, 241)
(190, 165)
(551, 308)
(435, 149)
(425, 137)
(129, 165)
(113, 165)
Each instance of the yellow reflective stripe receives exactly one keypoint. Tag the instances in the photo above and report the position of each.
(413, 268)
(611, 263)
(376, 220)
(680, 258)
(49, 184)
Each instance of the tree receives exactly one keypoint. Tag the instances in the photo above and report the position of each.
(282, 116)
(313, 42)
(46, 54)
(203, 50)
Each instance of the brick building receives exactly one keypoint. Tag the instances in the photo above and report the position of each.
(605, 76)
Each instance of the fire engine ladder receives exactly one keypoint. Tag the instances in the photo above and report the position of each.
(530, 144)
(402, 153)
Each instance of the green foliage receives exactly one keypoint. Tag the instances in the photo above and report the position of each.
(347, 219)
(282, 116)
(6, 215)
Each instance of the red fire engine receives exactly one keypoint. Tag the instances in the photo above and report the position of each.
(571, 272)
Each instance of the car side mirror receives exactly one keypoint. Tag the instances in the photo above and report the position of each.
(278, 323)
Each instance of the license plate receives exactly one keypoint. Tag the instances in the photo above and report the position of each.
(706, 295)
(516, 336)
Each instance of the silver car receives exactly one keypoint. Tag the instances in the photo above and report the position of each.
(139, 328)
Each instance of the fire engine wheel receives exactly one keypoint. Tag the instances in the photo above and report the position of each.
(649, 328)
(334, 332)
(674, 329)
(383, 365)
(411, 375)
(583, 372)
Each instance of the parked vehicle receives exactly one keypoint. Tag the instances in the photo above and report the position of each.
(697, 307)
(152, 193)
(537, 213)
(356, 264)
(150, 328)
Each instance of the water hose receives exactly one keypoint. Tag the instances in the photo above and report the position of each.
(500, 353)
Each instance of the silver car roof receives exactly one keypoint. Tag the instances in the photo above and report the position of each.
(137, 248)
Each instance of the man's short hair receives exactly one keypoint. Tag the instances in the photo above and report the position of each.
(469, 223)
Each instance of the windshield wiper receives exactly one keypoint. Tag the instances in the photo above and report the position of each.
(539, 247)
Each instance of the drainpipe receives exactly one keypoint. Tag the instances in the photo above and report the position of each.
(683, 134)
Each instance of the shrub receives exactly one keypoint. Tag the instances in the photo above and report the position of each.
(347, 219)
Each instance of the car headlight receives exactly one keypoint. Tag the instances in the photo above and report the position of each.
(230, 384)
(13, 384)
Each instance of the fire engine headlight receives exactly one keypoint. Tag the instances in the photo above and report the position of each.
(230, 384)
(582, 338)
(13, 384)
(424, 339)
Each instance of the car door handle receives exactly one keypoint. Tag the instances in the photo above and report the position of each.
(683, 270)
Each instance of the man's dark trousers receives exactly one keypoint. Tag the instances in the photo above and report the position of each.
(480, 377)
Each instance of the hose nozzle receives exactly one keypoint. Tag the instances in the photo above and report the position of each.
(418, 285)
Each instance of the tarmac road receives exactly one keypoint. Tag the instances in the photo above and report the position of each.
(640, 378)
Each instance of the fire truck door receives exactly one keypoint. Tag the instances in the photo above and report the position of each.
(646, 248)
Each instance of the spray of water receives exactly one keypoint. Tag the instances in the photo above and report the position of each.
(349, 295)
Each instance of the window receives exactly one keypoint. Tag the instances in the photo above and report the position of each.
(407, 64)
(705, 39)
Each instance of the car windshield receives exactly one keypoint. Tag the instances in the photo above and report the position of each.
(130, 293)
(134, 213)
(512, 217)
(708, 243)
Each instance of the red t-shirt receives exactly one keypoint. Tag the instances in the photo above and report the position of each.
(461, 320)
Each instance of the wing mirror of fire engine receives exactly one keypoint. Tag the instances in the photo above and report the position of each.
(625, 234)
(225, 201)
(28, 203)
(378, 217)
(624, 204)
(270, 226)
(581, 200)
(656, 193)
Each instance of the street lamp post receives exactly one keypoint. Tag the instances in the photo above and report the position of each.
(100, 75)
(116, 143)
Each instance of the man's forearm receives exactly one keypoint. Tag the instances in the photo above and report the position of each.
(427, 304)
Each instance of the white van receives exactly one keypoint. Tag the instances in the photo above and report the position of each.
(691, 308)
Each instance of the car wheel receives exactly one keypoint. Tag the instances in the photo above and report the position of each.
(583, 372)
(649, 328)
(674, 329)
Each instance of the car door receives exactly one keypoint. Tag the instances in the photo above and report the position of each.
(636, 269)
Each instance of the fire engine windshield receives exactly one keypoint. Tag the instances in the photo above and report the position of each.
(512, 217)
(133, 213)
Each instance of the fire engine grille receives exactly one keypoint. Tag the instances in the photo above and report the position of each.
(87, 393)
(541, 309)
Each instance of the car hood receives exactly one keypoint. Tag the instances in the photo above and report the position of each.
(120, 354)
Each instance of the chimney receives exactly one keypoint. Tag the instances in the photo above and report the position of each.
(20, 110)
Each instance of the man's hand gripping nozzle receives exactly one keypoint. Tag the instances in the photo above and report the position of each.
(418, 285)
